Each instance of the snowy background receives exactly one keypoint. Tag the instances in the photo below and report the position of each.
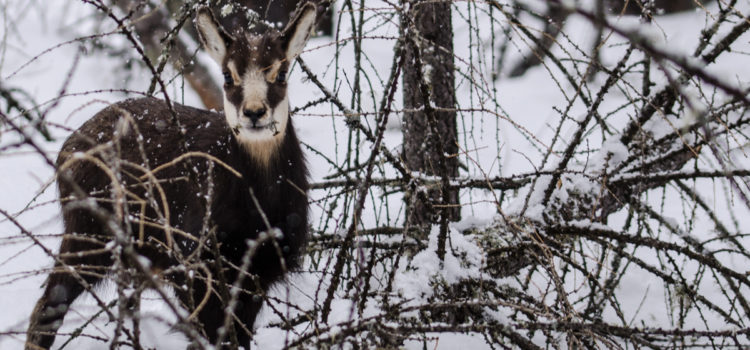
(505, 129)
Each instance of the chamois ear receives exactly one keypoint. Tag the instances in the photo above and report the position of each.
(212, 35)
(298, 31)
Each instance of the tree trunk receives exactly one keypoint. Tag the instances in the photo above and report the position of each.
(430, 136)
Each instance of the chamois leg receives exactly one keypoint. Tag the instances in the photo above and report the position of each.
(62, 289)
(248, 308)
(211, 314)
(64, 286)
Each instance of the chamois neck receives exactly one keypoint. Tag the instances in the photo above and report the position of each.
(262, 152)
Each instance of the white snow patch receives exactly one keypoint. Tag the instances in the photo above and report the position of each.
(463, 259)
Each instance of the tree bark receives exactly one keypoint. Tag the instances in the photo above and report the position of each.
(430, 136)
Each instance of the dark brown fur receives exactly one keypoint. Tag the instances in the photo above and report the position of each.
(279, 186)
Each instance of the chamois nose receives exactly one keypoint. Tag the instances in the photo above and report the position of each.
(254, 115)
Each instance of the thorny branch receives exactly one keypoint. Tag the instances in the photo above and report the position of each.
(620, 221)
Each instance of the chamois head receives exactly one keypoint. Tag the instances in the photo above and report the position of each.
(255, 63)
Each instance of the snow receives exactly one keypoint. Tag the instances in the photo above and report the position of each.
(510, 138)
(462, 261)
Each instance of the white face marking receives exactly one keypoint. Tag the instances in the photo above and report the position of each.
(261, 138)
(268, 128)
(233, 71)
(273, 72)
(255, 92)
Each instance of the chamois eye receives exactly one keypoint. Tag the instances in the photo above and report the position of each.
(228, 80)
(281, 77)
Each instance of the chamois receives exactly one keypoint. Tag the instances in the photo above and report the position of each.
(180, 184)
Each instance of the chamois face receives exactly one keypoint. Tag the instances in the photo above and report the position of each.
(255, 67)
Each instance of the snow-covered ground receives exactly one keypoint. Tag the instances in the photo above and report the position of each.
(38, 54)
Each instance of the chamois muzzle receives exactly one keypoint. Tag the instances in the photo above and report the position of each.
(254, 115)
